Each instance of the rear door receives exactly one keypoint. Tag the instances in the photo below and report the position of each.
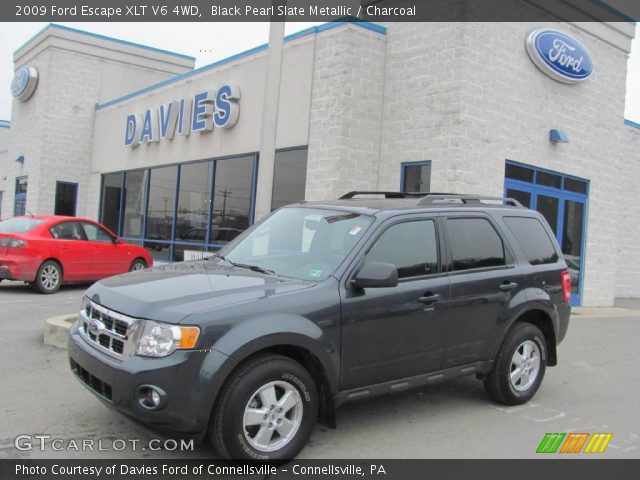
(484, 278)
(397, 332)
(70, 246)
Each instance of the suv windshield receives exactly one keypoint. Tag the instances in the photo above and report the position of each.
(304, 243)
(18, 225)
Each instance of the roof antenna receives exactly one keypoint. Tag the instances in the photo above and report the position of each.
(29, 212)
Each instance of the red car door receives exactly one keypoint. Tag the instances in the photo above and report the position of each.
(73, 251)
(108, 258)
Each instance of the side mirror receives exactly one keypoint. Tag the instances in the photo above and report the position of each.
(376, 275)
(116, 240)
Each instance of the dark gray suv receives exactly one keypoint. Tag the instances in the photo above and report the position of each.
(323, 303)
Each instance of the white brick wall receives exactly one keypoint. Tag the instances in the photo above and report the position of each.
(627, 253)
(346, 111)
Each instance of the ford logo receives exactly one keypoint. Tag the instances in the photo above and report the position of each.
(559, 55)
(24, 82)
(96, 327)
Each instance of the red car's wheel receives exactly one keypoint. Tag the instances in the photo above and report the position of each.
(138, 264)
(48, 278)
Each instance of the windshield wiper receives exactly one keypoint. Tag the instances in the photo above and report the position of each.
(254, 268)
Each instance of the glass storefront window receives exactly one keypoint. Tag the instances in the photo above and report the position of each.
(172, 210)
(111, 194)
(289, 177)
(232, 198)
(134, 193)
(161, 205)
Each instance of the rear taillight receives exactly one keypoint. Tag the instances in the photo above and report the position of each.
(12, 243)
(565, 278)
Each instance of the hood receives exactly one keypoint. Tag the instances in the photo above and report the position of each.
(170, 293)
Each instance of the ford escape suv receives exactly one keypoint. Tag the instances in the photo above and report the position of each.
(323, 303)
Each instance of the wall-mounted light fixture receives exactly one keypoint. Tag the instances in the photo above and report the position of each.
(558, 136)
(20, 160)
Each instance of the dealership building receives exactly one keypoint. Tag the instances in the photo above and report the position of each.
(181, 160)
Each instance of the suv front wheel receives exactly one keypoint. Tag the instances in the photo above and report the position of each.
(519, 366)
(266, 411)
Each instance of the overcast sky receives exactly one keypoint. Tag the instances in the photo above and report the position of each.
(209, 42)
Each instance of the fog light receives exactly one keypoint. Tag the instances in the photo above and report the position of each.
(151, 397)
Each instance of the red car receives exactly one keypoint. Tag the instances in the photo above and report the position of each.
(47, 250)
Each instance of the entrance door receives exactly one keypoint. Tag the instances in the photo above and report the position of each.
(566, 214)
(20, 202)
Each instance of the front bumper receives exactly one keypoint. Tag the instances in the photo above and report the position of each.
(189, 379)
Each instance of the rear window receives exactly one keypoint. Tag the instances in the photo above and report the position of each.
(18, 225)
(533, 238)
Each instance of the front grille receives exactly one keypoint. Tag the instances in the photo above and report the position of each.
(108, 331)
(92, 381)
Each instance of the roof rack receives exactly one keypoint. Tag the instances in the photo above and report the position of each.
(431, 198)
(455, 199)
(357, 193)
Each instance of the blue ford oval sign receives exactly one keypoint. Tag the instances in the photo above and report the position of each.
(559, 55)
(24, 82)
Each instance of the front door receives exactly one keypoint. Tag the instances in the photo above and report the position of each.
(397, 332)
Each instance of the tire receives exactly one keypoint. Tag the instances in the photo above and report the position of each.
(137, 264)
(506, 383)
(252, 389)
(49, 277)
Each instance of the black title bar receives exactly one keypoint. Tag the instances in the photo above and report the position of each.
(317, 10)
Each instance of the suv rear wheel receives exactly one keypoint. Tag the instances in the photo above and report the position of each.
(266, 411)
(519, 366)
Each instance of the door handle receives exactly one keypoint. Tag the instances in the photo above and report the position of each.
(429, 298)
(508, 286)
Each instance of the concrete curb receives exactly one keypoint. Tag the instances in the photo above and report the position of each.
(56, 332)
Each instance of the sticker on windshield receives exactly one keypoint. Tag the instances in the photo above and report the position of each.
(355, 230)
(315, 273)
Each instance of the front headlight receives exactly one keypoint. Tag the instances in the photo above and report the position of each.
(161, 339)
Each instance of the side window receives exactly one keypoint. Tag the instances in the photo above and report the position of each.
(410, 246)
(66, 231)
(96, 234)
(534, 240)
(474, 244)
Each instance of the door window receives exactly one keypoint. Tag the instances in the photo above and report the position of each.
(410, 246)
(96, 234)
(67, 231)
(474, 244)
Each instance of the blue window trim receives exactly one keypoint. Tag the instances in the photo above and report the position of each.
(5, 124)
(403, 169)
(260, 48)
(104, 37)
(631, 123)
(536, 189)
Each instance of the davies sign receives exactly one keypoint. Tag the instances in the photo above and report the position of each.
(199, 113)
(559, 55)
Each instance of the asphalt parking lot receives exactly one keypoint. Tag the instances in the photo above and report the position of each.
(594, 389)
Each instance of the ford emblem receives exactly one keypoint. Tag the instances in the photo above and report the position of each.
(559, 55)
(96, 327)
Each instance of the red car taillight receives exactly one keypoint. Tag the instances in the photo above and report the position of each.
(12, 243)
(565, 278)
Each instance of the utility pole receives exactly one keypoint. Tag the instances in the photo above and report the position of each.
(271, 101)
